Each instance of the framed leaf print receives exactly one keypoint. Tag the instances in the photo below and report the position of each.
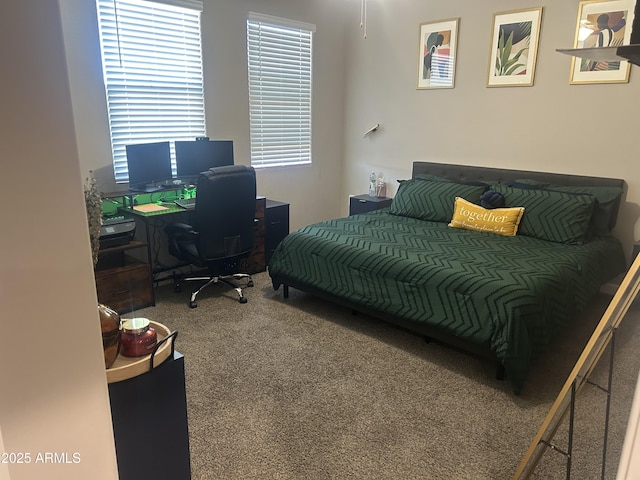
(514, 46)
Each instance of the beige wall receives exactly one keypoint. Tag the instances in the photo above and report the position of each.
(53, 390)
(629, 466)
(552, 126)
(4, 467)
(312, 191)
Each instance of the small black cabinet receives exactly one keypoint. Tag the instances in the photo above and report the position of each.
(276, 215)
(149, 414)
(365, 203)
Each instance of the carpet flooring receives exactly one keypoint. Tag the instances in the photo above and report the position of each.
(299, 388)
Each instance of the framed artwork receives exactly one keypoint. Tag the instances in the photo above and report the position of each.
(514, 46)
(437, 54)
(602, 24)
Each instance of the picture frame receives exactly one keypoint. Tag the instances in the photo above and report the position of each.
(437, 45)
(591, 31)
(514, 48)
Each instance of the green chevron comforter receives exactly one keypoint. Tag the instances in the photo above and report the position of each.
(510, 294)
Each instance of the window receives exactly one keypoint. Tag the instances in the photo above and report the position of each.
(152, 62)
(279, 60)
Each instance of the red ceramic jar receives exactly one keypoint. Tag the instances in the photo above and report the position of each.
(138, 337)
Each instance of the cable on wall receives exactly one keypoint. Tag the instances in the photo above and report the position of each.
(115, 10)
(363, 17)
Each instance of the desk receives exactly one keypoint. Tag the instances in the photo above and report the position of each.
(153, 223)
(272, 226)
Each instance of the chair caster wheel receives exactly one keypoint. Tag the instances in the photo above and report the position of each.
(250, 283)
(193, 304)
(177, 288)
(243, 299)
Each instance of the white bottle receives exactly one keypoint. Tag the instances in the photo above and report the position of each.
(381, 189)
(372, 184)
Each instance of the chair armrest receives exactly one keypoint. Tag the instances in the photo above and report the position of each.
(179, 229)
(179, 234)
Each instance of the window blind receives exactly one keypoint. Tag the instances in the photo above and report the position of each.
(152, 63)
(279, 53)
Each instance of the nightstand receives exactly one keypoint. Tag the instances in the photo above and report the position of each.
(365, 203)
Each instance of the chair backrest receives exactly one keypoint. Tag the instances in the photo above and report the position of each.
(225, 212)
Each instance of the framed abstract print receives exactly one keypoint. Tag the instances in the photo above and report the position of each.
(437, 54)
(602, 24)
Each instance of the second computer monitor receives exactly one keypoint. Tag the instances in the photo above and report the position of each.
(148, 164)
(193, 157)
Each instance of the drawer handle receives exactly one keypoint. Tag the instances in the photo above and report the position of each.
(362, 201)
(119, 292)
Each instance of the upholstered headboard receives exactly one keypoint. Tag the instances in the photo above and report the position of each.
(464, 173)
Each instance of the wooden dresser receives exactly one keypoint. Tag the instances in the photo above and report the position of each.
(123, 283)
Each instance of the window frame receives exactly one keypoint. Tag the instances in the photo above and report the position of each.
(280, 81)
(147, 103)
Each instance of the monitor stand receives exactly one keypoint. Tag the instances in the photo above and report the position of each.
(150, 188)
(177, 182)
(188, 179)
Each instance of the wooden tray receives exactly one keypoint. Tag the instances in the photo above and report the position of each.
(128, 367)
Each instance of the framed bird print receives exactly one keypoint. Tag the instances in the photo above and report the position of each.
(437, 54)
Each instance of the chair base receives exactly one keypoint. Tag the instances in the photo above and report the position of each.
(226, 279)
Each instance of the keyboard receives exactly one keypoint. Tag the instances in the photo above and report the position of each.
(186, 203)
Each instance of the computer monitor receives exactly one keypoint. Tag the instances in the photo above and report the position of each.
(149, 164)
(193, 157)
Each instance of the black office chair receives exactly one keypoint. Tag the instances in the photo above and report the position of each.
(222, 233)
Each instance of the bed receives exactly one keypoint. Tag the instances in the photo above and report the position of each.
(494, 261)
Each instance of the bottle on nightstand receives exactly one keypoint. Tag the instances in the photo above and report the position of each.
(372, 184)
(381, 187)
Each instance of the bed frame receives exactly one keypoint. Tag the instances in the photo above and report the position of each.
(463, 173)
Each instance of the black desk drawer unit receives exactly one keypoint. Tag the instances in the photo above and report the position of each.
(365, 203)
(276, 217)
(255, 262)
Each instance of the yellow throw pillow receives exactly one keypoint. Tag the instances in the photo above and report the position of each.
(503, 221)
